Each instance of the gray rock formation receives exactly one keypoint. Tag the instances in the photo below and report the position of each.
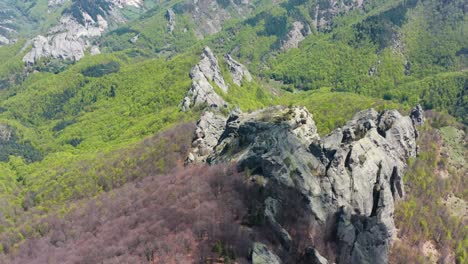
(297, 34)
(7, 26)
(5, 132)
(171, 19)
(239, 72)
(201, 92)
(209, 67)
(4, 41)
(95, 50)
(68, 40)
(312, 256)
(272, 208)
(326, 10)
(123, 3)
(54, 3)
(208, 131)
(262, 255)
(210, 15)
(417, 115)
(356, 169)
(135, 38)
(361, 239)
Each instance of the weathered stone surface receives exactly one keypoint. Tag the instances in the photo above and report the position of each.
(208, 131)
(297, 34)
(186, 104)
(5, 132)
(135, 38)
(238, 71)
(53, 3)
(95, 50)
(123, 3)
(271, 211)
(358, 167)
(361, 239)
(4, 41)
(209, 67)
(68, 40)
(417, 115)
(302, 124)
(171, 19)
(201, 91)
(262, 255)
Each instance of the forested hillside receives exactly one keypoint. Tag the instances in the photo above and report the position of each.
(92, 96)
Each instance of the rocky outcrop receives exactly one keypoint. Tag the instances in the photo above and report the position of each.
(209, 67)
(72, 36)
(171, 19)
(297, 34)
(68, 40)
(94, 50)
(355, 172)
(326, 10)
(262, 255)
(123, 3)
(201, 91)
(361, 239)
(208, 131)
(135, 38)
(239, 72)
(4, 41)
(5, 132)
(209, 16)
(7, 26)
(54, 3)
(417, 115)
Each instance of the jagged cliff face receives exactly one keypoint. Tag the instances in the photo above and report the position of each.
(351, 177)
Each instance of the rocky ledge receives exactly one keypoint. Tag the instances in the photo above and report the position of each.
(349, 179)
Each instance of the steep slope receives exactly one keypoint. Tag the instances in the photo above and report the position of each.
(355, 173)
(75, 126)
